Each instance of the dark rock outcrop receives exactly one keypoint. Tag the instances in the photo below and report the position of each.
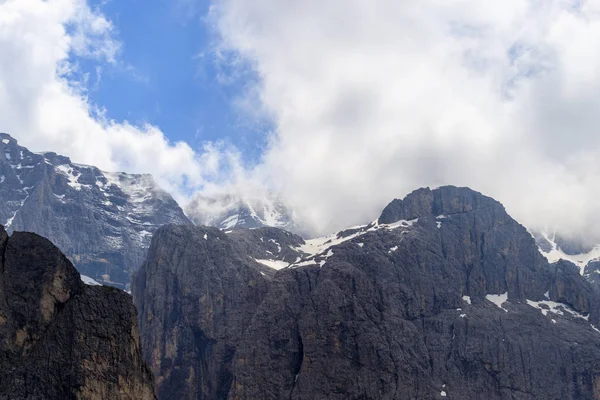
(102, 221)
(59, 338)
(385, 316)
(444, 296)
(592, 272)
(573, 244)
(196, 294)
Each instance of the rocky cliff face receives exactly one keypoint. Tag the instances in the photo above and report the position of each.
(444, 296)
(59, 338)
(102, 221)
(196, 295)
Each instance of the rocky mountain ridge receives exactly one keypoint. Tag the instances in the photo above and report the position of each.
(102, 221)
(196, 294)
(59, 338)
(444, 295)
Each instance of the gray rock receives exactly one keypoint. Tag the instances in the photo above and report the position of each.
(592, 272)
(61, 339)
(404, 308)
(573, 244)
(102, 221)
(196, 294)
(543, 243)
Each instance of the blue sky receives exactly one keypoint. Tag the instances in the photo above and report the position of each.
(167, 75)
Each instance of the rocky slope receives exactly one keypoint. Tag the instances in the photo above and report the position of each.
(102, 221)
(59, 338)
(444, 296)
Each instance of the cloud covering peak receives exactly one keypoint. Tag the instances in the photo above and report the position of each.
(369, 100)
(373, 99)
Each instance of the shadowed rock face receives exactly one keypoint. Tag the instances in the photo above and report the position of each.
(62, 339)
(444, 296)
(196, 295)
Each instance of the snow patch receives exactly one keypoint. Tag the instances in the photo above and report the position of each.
(467, 299)
(89, 281)
(400, 224)
(393, 249)
(275, 264)
(498, 299)
(72, 179)
(231, 221)
(320, 245)
(138, 188)
(546, 306)
(277, 244)
(581, 260)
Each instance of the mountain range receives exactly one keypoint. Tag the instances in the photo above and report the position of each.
(103, 221)
(443, 296)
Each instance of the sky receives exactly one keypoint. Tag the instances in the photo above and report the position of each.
(337, 106)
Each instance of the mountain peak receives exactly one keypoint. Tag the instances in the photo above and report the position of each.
(434, 202)
(103, 221)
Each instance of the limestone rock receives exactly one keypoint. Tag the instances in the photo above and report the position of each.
(62, 339)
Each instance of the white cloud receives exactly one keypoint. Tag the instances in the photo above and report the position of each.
(372, 99)
(43, 101)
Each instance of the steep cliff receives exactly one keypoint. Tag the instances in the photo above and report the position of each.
(102, 221)
(445, 295)
(196, 295)
(62, 339)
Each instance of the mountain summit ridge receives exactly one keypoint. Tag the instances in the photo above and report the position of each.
(103, 221)
(444, 295)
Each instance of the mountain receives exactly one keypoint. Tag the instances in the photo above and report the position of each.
(102, 221)
(59, 338)
(196, 294)
(230, 211)
(577, 250)
(444, 295)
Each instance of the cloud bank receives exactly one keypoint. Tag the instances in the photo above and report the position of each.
(372, 99)
(369, 99)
